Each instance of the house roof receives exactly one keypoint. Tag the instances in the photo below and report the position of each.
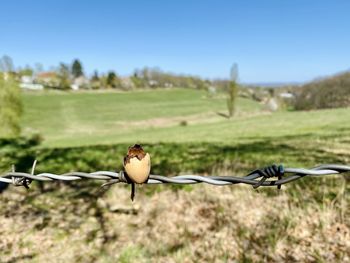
(44, 75)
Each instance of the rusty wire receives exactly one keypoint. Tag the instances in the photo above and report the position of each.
(257, 178)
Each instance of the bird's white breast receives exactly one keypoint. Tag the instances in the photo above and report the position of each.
(138, 170)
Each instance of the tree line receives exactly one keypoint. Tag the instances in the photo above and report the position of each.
(66, 75)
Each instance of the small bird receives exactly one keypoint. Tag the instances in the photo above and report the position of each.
(137, 166)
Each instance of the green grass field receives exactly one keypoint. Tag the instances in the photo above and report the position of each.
(307, 221)
(77, 119)
(72, 119)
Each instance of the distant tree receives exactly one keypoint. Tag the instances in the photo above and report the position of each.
(77, 69)
(10, 106)
(6, 64)
(64, 77)
(155, 77)
(232, 90)
(27, 71)
(145, 73)
(96, 82)
(137, 82)
(95, 76)
(113, 80)
(111, 76)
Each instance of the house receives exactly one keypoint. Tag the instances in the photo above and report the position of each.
(127, 83)
(27, 82)
(31, 86)
(79, 82)
(49, 79)
(27, 79)
(168, 85)
(271, 104)
(153, 83)
(287, 95)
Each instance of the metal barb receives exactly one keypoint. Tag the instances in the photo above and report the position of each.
(268, 172)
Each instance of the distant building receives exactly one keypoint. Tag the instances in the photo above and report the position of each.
(271, 105)
(212, 90)
(46, 76)
(127, 83)
(79, 82)
(27, 82)
(27, 79)
(168, 85)
(153, 83)
(32, 86)
(48, 79)
(287, 95)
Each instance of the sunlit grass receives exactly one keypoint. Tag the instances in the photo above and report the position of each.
(74, 119)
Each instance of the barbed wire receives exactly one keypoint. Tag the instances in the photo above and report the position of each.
(257, 178)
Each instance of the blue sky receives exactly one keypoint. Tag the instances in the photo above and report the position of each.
(272, 41)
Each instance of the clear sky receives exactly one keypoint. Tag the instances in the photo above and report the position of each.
(271, 40)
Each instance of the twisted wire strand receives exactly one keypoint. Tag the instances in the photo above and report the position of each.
(256, 178)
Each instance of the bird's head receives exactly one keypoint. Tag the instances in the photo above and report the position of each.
(136, 151)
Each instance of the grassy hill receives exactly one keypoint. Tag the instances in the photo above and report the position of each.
(307, 221)
(75, 119)
(331, 92)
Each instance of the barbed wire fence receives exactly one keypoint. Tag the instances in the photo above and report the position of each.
(257, 178)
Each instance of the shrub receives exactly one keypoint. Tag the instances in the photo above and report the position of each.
(10, 106)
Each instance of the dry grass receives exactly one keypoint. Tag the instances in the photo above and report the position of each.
(207, 224)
